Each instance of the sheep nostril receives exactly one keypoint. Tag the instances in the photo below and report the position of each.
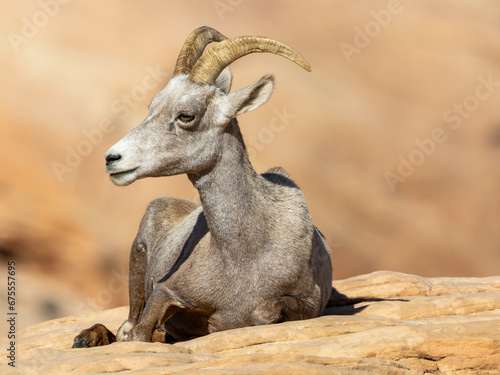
(111, 158)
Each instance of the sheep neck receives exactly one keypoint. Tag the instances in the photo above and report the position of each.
(229, 193)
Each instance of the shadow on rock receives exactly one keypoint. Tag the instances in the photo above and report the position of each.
(340, 304)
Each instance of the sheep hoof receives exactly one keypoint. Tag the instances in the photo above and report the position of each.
(81, 343)
(97, 335)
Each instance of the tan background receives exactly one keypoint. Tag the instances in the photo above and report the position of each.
(69, 68)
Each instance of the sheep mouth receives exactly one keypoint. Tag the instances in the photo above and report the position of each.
(115, 174)
(123, 177)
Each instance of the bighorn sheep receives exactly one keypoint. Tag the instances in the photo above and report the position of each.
(249, 254)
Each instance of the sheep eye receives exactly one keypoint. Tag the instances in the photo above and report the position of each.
(185, 118)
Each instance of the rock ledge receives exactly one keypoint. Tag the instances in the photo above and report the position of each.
(383, 323)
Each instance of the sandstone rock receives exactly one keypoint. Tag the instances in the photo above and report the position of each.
(390, 323)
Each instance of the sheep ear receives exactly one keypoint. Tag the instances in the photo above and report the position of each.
(224, 80)
(251, 97)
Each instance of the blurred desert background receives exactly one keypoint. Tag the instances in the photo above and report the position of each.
(394, 137)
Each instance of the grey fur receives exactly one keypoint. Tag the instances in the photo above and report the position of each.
(248, 254)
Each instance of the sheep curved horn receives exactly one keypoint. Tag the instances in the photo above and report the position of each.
(193, 48)
(212, 62)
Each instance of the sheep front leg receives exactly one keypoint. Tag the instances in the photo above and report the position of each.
(161, 306)
(136, 288)
(98, 334)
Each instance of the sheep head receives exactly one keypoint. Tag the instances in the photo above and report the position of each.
(182, 133)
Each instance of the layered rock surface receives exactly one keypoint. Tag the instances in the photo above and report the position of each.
(382, 323)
